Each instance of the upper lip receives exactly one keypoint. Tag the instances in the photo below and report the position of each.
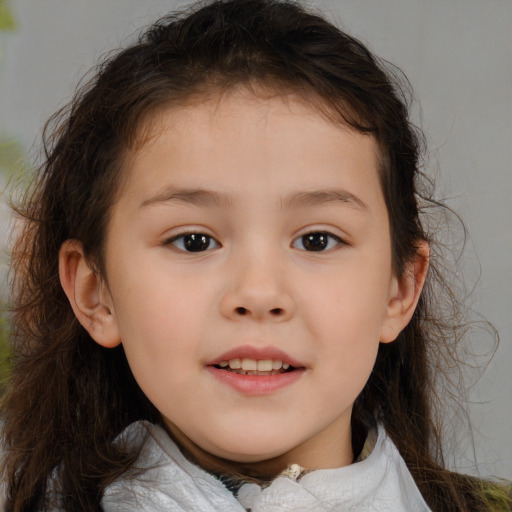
(257, 353)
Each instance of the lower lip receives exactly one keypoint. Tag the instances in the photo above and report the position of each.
(256, 385)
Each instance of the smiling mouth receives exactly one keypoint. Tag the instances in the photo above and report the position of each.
(247, 366)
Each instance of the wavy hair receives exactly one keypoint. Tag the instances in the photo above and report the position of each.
(68, 397)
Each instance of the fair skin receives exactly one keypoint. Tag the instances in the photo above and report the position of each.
(250, 177)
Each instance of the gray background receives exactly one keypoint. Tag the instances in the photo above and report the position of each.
(457, 54)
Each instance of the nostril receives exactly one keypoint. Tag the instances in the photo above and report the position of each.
(273, 312)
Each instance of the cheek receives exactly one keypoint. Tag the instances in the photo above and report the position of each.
(160, 319)
(345, 317)
(350, 307)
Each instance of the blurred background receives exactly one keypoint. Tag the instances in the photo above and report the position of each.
(458, 57)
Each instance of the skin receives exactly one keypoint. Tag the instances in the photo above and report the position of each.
(264, 160)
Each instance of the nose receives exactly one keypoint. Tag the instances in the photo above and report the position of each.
(258, 290)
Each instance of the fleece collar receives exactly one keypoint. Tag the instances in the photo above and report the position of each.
(167, 481)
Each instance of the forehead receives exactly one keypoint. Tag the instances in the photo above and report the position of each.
(237, 136)
(211, 102)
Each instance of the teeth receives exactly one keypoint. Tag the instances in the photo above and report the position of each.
(235, 364)
(249, 364)
(265, 365)
(253, 365)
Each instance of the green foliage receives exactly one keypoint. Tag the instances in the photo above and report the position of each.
(7, 21)
(498, 496)
(11, 167)
(10, 160)
(11, 153)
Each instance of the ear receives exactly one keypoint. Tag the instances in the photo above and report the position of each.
(88, 295)
(405, 293)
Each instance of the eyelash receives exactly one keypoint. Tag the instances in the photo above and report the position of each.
(195, 237)
(332, 241)
(324, 241)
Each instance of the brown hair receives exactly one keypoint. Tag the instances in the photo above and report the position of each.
(69, 397)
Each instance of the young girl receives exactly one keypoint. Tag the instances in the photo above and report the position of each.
(223, 289)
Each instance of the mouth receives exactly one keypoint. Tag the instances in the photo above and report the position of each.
(256, 371)
(248, 366)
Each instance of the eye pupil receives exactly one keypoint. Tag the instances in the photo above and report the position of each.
(195, 242)
(315, 241)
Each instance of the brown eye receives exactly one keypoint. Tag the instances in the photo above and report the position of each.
(194, 242)
(316, 241)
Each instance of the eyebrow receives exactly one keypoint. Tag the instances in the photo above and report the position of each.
(212, 199)
(320, 197)
(194, 196)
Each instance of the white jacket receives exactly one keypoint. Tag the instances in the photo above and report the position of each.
(168, 482)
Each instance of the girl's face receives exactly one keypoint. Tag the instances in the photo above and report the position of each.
(253, 232)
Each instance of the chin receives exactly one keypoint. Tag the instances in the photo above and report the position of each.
(239, 446)
(246, 449)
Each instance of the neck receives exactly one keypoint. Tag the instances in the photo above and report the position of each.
(311, 455)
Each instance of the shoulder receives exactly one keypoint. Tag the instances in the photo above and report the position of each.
(164, 479)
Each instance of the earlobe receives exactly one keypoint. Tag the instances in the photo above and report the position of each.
(405, 295)
(87, 295)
